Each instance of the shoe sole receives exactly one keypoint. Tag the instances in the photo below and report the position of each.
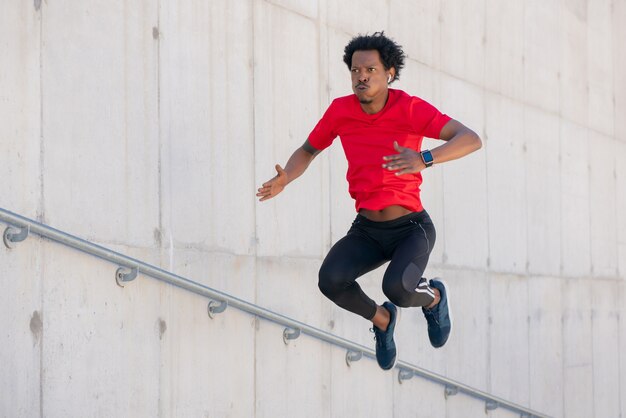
(445, 286)
(398, 316)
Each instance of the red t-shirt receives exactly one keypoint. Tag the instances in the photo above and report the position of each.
(367, 138)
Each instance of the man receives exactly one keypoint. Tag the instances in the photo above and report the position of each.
(381, 130)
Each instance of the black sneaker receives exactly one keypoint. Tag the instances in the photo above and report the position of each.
(386, 353)
(439, 318)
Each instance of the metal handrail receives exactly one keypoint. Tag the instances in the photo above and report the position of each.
(19, 228)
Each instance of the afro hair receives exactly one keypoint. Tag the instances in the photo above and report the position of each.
(391, 53)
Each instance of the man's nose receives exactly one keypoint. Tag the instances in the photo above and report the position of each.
(362, 77)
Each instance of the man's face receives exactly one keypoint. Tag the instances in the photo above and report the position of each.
(369, 77)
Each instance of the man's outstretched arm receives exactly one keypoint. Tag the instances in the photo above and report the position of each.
(297, 164)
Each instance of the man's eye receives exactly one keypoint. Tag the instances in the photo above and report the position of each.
(371, 69)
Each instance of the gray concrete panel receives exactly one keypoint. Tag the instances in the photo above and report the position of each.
(466, 354)
(423, 81)
(207, 124)
(418, 397)
(621, 308)
(206, 366)
(545, 345)
(573, 80)
(506, 184)
(541, 45)
(619, 67)
(362, 389)
(232, 274)
(417, 27)
(622, 259)
(185, 122)
(100, 352)
(339, 78)
(307, 8)
(463, 39)
(283, 121)
(502, 413)
(289, 286)
(605, 343)
(288, 382)
(504, 48)
(620, 171)
(462, 406)
(578, 375)
(101, 148)
(20, 105)
(575, 222)
(542, 175)
(366, 18)
(601, 103)
(465, 196)
(21, 322)
(602, 205)
(510, 298)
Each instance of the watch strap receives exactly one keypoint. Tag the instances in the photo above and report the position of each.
(427, 158)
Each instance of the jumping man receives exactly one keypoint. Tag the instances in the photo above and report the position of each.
(381, 131)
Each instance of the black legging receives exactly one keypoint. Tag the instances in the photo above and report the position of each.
(406, 241)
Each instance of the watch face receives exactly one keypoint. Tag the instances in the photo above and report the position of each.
(427, 156)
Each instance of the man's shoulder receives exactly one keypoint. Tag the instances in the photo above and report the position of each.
(342, 105)
(408, 101)
(342, 101)
(401, 95)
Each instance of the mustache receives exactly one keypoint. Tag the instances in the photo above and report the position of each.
(361, 84)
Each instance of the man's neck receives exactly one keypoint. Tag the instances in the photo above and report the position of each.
(376, 105)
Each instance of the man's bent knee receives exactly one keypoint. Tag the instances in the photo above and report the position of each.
(404, 298)
(329, 282)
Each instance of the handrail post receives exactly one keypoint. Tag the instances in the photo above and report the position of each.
(215, 307)
(14, 234)
(290, 334)
(125, 275)
(405, 374)
(490, 405)
(352, 355)
(450, 391)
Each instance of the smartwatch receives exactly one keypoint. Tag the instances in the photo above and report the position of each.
(427, 157)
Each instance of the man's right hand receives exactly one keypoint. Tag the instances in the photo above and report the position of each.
(274, 186)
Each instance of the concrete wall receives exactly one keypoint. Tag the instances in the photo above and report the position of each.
(146, 126)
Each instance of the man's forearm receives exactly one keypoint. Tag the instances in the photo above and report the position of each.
(461, 144)
(460, 141)
(298, 163)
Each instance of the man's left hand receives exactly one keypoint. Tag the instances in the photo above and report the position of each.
(405, 162)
